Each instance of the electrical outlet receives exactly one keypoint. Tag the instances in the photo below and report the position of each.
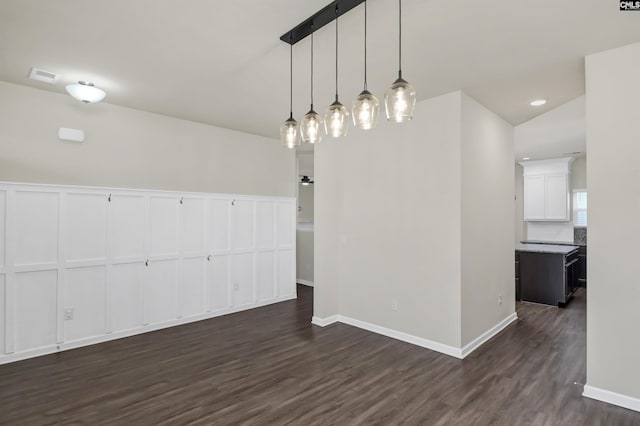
(68, 314)
(236, 286)
(394, 304)
(500, 299)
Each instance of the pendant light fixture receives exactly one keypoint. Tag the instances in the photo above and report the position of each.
(336, 119)
(365, 106)
(400, 98)
(311, 126)
(289, 129)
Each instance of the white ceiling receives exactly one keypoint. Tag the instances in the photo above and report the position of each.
(560, 132)
(223, 63)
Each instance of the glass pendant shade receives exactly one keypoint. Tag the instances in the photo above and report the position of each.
(365, 110)
(311, 127)
(400, 101)
(289, 134)
(336, 120)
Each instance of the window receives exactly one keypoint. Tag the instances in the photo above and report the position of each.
(579, 207)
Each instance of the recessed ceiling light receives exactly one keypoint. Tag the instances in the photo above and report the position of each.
(526, 158)
(538, 102)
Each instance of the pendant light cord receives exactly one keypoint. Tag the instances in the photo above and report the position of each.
(337, 53)
(312, 67)
(365, 44)
(400, 39)
(291, 78)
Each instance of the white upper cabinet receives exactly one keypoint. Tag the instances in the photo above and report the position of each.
(534, 200)
(557, 197)
(546, 190)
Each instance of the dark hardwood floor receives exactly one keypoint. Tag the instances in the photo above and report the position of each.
(271, 366)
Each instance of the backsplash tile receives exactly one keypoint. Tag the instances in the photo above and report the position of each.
(580, 236)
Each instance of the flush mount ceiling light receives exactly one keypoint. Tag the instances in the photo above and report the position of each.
(538, 102)
(336, 119)
(311, 125)
(400, 98)
(289, 129)
(526, 158)
(86, 92)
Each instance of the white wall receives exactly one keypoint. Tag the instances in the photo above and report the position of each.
(488, 292)
(305, 203)
(304, 255)
(389, 221)
(128, 148)
(579, 173)
(520, 225)
(613, 316)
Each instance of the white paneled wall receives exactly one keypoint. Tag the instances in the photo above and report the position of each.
(84, 265)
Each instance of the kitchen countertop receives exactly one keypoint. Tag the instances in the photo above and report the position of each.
(553, 243)
(547, 248)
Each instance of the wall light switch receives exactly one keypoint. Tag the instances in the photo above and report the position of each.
(68, 314)
(73, 135)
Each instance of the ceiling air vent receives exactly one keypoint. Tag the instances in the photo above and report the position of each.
(42, 75)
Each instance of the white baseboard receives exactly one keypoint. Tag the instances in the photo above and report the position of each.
(398, 335)
(487, 335)
(50, 349)
(419, 341)
(305, 282)
(409, 338)
(323, 322)
(609, 397)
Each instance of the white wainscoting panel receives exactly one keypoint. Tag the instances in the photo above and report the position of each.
(2, 313)
(220, 225)
(126, 230)
(86, 295)
(194, 235)
(285, 216)
(286, 272)
(36, 228)
(3, 197)
(219, 281)
(35, 309)
(192, 287)
(265, 225)
(85, 227)
(243, 283)
(163, 226)
(121, 262)
(266, 276)
(160, 301)
(125, 300)
(243, 231)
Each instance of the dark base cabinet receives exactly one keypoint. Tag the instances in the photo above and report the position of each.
(518, 295)
(547, 278)
(582, 267)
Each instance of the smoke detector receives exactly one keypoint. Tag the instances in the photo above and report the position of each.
(44, 76)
